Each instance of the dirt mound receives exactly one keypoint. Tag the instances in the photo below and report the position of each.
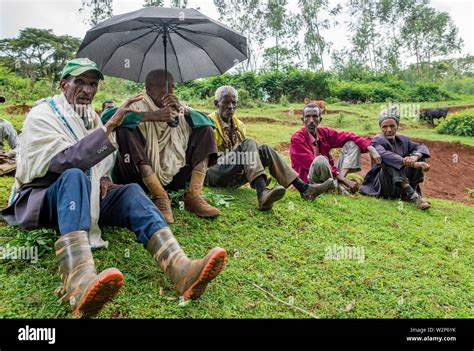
(268, 120)
(283, 148)
(18, 109)
(451, 173)
(329, 112)
(452, 109)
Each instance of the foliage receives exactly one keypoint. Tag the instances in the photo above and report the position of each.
(99, 10)
(457, 124)
(38, 53)
(22, 90)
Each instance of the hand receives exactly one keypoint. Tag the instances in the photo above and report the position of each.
(425, 167)
(352, 186)
(165, 114)
(106, 185)
(374, 155)
(11, 154)
(409, 161)
(172, 101)
(117, 119)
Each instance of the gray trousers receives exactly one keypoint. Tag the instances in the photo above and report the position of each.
(246, 162)
(320, 169)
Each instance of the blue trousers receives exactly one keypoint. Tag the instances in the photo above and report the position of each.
(67, 206)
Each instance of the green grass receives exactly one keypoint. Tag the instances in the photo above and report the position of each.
(417, 264)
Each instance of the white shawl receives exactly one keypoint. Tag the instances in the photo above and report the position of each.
(165, 146)
(44, 135)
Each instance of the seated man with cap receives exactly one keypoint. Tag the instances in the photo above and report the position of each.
(403, 164)
(62, 181)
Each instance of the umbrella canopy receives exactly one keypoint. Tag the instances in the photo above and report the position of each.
(187, 43)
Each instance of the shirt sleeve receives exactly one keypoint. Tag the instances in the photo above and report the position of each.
(300, 152)
(12, 137)
(389, 157)
(418, 148)
(337, 139)
(84, 154)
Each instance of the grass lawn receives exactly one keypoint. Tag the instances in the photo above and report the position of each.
(397, 262)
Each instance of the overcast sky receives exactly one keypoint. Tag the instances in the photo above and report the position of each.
(63, 17)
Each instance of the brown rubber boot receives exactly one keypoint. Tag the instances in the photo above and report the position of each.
(86, 291)
(160, 196)
(419, 202)
(189, 276)
(193, 200)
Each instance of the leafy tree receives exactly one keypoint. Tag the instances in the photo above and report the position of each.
(246, 17)
(38, 53)
(282, 25)
(99, 10)
(429, 33)
(149, 3)
(314, 17)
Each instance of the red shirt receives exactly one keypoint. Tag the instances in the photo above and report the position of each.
(304, 149)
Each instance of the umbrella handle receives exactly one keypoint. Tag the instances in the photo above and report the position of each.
(165, 42)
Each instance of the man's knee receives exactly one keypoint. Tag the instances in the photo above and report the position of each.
(74, 174)
(351, 146)
(133, 189)
(265, 148)
(249, 144)
(320, 161)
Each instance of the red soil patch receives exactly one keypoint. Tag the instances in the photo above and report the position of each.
(325, 112)
(18, 109)
(451, 173)
(452, 109)
(268, 120)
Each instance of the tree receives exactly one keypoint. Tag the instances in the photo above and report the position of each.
(99, 10)
(365, 38)
(428, 34)
(314, 15)
(281, 25)
(38, 53)
(179, 3)
(149, 3)
(246, 17)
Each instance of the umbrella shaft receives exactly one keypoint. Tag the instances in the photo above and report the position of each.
(165, 42)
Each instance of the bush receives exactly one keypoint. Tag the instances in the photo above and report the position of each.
(284, 101)
(245, 99)
(22, 90)
(457, 124)
(463, 85)
(430, 92)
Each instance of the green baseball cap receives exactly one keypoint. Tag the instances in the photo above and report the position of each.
(78, 66)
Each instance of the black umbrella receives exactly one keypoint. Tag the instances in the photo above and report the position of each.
(184, 42)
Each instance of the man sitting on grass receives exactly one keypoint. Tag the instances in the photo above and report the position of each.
(8, 134)
(310, 153)
(166, 147)
(62, 181)
(243, 161)
(403, 164)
